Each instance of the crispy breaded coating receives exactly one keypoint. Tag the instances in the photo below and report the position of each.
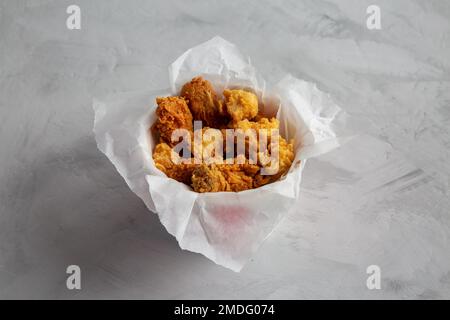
(262, 123)
(216, 161)
(241, 104)
(209, 179)
(170, 163)
(285, 157)
(173, 113)
(211, 146)
(239, 176)
(224, 177)
(203, 102)
(263, 129)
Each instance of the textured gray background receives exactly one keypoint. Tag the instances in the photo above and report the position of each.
(381, 199)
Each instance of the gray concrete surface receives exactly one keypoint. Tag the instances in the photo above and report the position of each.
(382, 199)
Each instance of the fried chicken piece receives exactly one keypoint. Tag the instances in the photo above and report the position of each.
(209, 179)
(224, 177)
(285, 157)
(239, 176)
(262, 123)
(171, 163)
(204, 103)
(262, 130)
(267, 125)
(241, 104)
(211, 146)
(173, 113)
(214, 174)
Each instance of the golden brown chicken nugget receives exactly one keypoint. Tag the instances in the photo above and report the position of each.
(224, 177)
(285, 157)
(262, 123)
(204, 103)
(170, 163)
(241, 104)
(256, 140)
(173, 113)
(209, 179)
(239, 176)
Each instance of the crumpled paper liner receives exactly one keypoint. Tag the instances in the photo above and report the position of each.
(226, 227)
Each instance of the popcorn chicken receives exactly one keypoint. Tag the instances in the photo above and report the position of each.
(173, 113)
(210, 148)
(239, 176)
(262, 123)
(250, 168)
(171, 163)
(285, 157)
(263, 127)
(203, 102)
(224, 177)
(209, 179)
(241, 104)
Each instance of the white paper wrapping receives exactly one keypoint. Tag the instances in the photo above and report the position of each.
(226, 227)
